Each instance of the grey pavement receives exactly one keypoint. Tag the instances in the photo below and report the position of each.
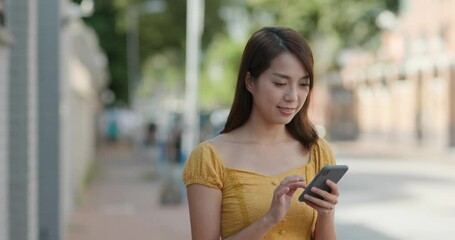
(385, 195)
(387, 199)
(123, 203)
(396, 193)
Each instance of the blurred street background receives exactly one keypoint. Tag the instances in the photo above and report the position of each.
(102, 101)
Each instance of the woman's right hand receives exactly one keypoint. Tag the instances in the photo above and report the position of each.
(282, 198)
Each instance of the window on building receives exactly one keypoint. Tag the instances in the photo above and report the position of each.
(443, 36)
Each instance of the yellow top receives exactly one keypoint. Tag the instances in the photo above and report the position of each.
(246, 195)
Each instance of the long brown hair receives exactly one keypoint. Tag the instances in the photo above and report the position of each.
(263, 46)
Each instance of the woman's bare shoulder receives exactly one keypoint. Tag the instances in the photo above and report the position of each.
(227, 145)
(222, 141)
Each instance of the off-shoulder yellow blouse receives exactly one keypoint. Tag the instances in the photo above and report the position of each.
(246, 195)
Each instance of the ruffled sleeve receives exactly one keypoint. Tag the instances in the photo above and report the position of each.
(203, 167)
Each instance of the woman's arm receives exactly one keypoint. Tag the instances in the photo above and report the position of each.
(205, 211)
(325, 224)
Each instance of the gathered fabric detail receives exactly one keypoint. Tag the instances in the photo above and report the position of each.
(203, 167)
(238, 188)
(247, 196)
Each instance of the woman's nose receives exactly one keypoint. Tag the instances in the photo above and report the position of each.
(291, 94)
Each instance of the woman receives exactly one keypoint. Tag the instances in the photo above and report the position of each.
(244, 183)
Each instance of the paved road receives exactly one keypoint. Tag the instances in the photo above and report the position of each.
(401, 199)
(383, 198)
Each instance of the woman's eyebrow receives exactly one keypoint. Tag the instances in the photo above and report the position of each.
(288, 77)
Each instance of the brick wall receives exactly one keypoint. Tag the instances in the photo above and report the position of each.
(402, 92)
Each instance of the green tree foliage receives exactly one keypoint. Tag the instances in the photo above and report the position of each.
(219, 72)
(329, 25)
(112, 40)
(163, 45)
(161, 38)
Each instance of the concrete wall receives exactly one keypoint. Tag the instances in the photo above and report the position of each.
(51, 178)
(82, 122)
(56, 50)
(83, 77)
(3, 138)
(22, 120)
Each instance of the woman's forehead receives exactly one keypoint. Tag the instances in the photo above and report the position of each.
(287, 63)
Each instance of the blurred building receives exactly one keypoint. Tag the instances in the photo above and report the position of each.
(51, 74)
(5, 40)
(405, 92)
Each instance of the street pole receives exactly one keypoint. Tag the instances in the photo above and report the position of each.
(194, 28)
(132, 47)
(452, 105)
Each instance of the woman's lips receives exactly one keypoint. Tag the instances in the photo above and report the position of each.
(286, 110)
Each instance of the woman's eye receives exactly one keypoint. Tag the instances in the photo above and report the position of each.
(304, 84)
(279, 84)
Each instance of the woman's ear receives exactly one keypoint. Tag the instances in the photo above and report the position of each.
(249, 82)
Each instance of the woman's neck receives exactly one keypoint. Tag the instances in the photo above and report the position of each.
(258, 132)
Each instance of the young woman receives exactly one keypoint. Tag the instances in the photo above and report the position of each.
(244, 183)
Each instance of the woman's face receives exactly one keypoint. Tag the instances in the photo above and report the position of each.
(280, 91)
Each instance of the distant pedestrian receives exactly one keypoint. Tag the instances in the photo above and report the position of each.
(112, 126)
(175, 144)
(150, 139)
(243, 183)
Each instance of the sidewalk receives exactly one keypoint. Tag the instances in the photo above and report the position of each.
(387, 194)
(395, 192)
(391, 199)
(380, 149)
(123, 203)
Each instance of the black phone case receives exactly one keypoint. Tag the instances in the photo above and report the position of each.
(332, 172)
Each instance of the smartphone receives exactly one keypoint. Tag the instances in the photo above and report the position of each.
(332, 172)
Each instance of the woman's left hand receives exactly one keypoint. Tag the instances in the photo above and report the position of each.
(326, 205)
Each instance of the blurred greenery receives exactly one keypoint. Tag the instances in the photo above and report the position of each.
(112, 41)
(329, 25)
(161, 40)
